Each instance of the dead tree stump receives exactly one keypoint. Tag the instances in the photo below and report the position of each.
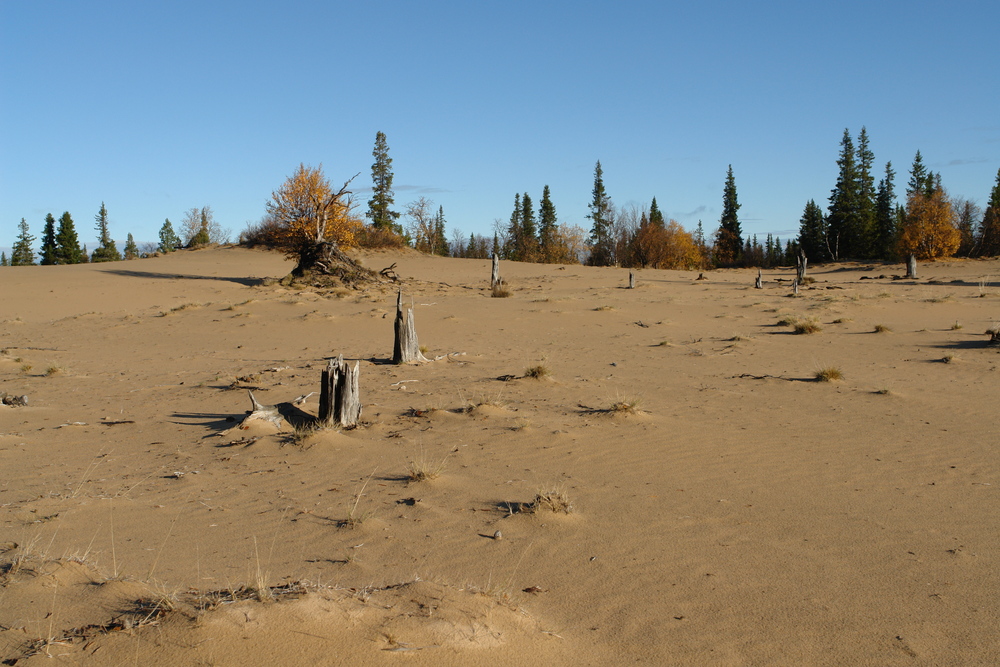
(268, 413)
(911, 267)
(339, 394)
(405, 348)
(795, 287)
(758, 283)
(801, 262)
(631, 280)
(495, 275)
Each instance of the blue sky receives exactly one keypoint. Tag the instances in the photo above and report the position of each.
(155, 108)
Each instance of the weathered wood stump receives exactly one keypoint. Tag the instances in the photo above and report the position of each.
(758, 283)
(631, 280)
(405, 348)
(801, 262)
(795, 286)
(339, 394)
(495, 275)
(911, 267)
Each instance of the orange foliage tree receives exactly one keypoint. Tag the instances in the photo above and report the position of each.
(668, 246)
(310, 222)
(928, 230)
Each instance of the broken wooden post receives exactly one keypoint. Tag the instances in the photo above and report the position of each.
(801, 262)
(631, 280)
(495, 276)
(339, 394)
(405, 348)
(911, 267)
(795, 286)
(758, 283)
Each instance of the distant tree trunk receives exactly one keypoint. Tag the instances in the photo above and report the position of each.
(911, 267)
(405, 347)
(801, 262)
(339, 394)
(495, 276)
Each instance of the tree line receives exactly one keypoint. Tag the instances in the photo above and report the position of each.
(60, 243)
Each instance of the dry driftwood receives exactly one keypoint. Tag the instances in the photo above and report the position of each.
(13, 401)
(495, 275)
(405, 348)
(261, 412)
(339, 394)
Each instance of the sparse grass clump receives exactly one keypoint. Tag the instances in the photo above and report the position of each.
(948, 358)
(537, 372)
(53, 370)
(884, 391)
(424, 470)
(500, 291)
(603, 308)
(881, 328)
(956, 326)
(807, 327)
(841, 320)
(552, 500)
(829, 374)
(26, 368)
(626, 405)
(788, 321)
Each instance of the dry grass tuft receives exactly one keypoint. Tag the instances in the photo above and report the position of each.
(626, 405)
(948, 358)
(881, 328)
(537, 372)
(788, 321)
(603, 308)
(807, 327)
(500, 291)
(829, 374)
(956, 326)
(53, 370)
(552, 500)
(424, 470)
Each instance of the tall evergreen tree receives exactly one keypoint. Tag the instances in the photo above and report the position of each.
(440, 240)
(131, 249)
(3, 259)
(729, 238)
(380, 205)
(989, 229)
(512, 248)
(812, 233)
(529, 232)
(202, 237)
(845, 227)
(48, 253)
(548, 227)
(655, 215)
(602, 244)
(866, 197)
(169, 241)
(22, 254)
(920, 178)
(884, 236)
(106, 250)
(67, 243)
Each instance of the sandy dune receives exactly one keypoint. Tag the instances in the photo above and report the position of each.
(734, 511)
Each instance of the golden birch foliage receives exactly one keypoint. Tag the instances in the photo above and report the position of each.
(305, 210)
(928, 230)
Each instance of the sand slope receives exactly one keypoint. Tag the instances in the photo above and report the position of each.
(743, 513)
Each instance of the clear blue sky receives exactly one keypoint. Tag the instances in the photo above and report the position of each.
(154, 108)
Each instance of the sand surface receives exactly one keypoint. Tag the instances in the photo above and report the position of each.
(735, 512)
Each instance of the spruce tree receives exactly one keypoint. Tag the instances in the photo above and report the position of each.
(22, 253)
(548, 227)
(169, 241)
(920, 178)
(440, 239)
(67, 244)
(844, 222)
(202, 237)
(729, 241)
(866, 198)
(812, 232)
(884, 231)
(131, 249)
(512, 248)
(380, 205)
(601, 243)
(529, 232)
(106, 250)
(3, 259)
(48, 253)
(655, 215)
(989, 229)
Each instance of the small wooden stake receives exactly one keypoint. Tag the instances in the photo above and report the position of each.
(631, 280)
